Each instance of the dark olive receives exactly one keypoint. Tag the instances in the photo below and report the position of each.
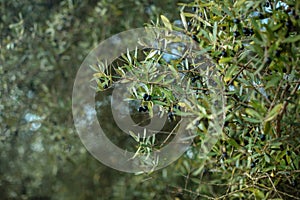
(277, 53)
(289, 24)
(140, 109)
(195, 78)
(262, 137)
(195, 38)
(246, 31)
(252, 165)
(251, 31)
(293, 12)
(284, 70)
(267, 4)
(171, 116)
(145, 108)
(236, 21)
(246, 142)
(147, 97)
(242, 47)
(236, 34)
(268, 60)
(224, 53)
(261, 16)
(177, 107)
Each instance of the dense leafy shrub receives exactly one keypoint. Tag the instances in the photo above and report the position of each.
(255, 50)
(254, 47)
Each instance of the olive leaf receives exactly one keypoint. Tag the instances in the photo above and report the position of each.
(273, 113)
(166, 22)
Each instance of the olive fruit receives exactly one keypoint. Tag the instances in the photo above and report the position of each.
(145, 108)
(140, 109)
(176, 107)
(226, 123)
(268, 60)
(252, 165)
(236, 21)
(195, 38)
(251, 31)
(247, 31)
(284, 70)
(261, 16)
(262, 137)
(223, 53)
(267, 4)
(171, 116)
(277, 53)
(147, 97)
(241, 47)
(236, 34)
(195, 78)
(289, 24)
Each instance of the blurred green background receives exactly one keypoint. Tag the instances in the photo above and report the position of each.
(43, 43)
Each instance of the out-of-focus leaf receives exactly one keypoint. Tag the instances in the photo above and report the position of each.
(273, 113)
(233, 143)
(253, 113)
(267, 158)
(225, 60)
(166, 22)
(291, 39)
(183, 19)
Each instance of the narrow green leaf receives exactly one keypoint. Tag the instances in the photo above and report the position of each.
(151, 54)
(225, 60)
(267, 128)
(183, 19)
(292, 39)
(273, 113)
(253, 113)
(273, 82)
(129, 56)
(234, 143)
(267, 158)
(215, 32)
(166, 22)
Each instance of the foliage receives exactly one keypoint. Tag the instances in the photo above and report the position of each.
(254, 50)
(42, 44)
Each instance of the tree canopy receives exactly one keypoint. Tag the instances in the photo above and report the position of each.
(253, 49)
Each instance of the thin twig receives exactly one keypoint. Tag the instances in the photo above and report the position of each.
(285, 104)
(273, 185)
(171, 133)
(276, 95)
